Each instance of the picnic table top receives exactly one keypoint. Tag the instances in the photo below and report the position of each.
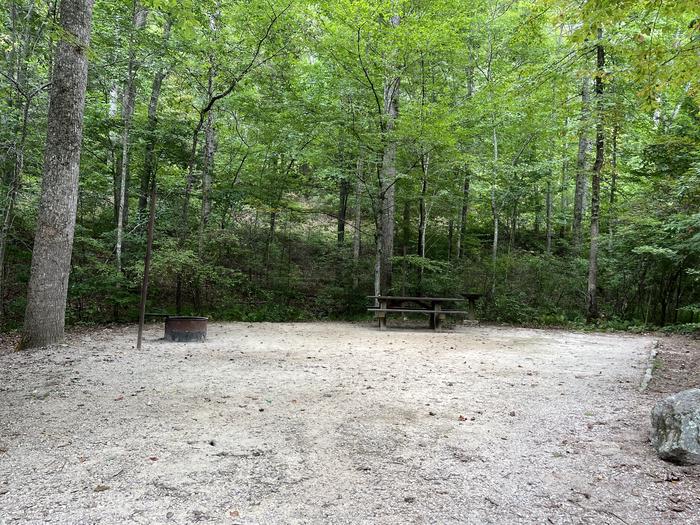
(416, 298)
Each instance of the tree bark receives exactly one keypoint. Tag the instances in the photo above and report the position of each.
(494, 211)
(207, 173)
(48, 282)
(592, 297)
(513, 227)
(548, 224)
(270, 239)
(138, 21)
(422, 209)
(344, 194)
(150, 164)
(612, 219)
(388, 182)
(564, 188)
(147, 261)
(356, 234)
(450, 238)
(581, 168)
(463, 217)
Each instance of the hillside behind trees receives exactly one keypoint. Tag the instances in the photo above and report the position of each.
(306, 154)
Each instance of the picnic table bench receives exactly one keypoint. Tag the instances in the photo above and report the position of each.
(432, 306)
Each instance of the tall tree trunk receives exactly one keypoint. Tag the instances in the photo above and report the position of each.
(422, 209)
(209, 146)
(450, 238)
(405, 241)
(513, 227)
(207, 174)
(189, 181)
(53, 243)
(270, 239)
(147, 261)
(422, 216)
(564, 188)
(378, 263)
(344, 194)
(612, 219)
(138, 21)
(581, 168)
(592, 298)
(149, 162)
(388, 182)
(538, 210)
(548, 224)
(463, 217)
(462, 236)
(113, 141)
(357, 225)
(495, 212)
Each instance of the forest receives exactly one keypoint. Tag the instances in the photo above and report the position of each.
(301, 155)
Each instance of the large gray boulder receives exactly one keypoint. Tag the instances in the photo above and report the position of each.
(675, 425)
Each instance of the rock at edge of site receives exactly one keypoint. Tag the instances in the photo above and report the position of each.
(675, 425)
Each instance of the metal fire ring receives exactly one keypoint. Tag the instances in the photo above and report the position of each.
(185, 328)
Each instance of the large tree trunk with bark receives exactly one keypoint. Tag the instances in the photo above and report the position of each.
(53, 243)
(388, 182)
(592, 297)
(581, 169)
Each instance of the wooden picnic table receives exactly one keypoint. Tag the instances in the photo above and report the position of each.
(432, 306)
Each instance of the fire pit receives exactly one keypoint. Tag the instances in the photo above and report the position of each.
(185, 328)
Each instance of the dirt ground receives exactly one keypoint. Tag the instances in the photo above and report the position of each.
(336, 423)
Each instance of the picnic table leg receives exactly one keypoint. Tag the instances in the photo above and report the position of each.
(383, 304)
(435, 317)
(471, 315)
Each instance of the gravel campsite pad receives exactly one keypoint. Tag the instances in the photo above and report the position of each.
(336, 423)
